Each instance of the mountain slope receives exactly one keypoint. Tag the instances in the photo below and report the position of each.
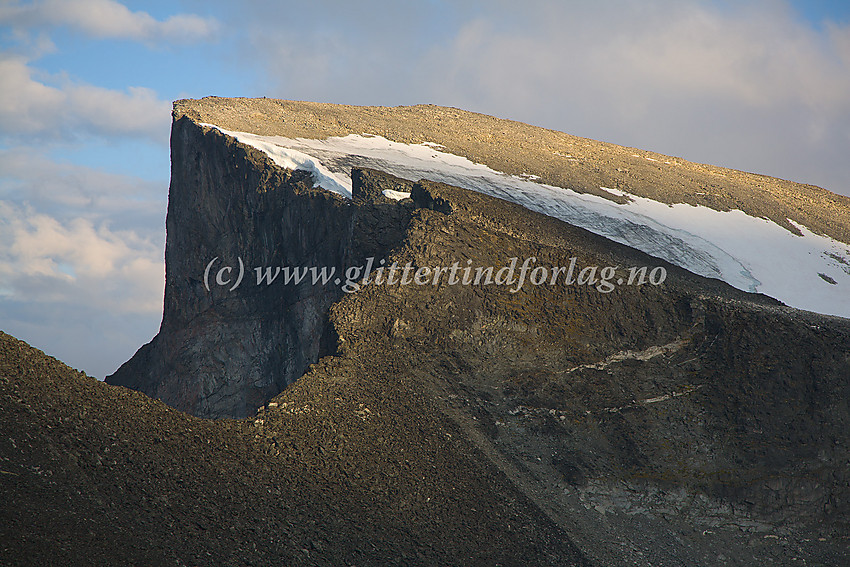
(99, 475)
(613, 417)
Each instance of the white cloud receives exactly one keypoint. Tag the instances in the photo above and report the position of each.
(79, 290)
(81, 266)
(67, 191)
(23, 100)
(29, 106)
(61, 245)
(107, 19)
(56, 107)
(137, 111)
(687, 51)
(760, 59)
(78, 262)
(748, 85)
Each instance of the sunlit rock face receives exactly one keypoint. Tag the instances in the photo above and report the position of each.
(680, 408)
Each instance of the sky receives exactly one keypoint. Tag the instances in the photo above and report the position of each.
(86, 88)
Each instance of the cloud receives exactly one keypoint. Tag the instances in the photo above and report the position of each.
(66, 191)
(747, 85)
(80, 290)
(634, 57)
(101, 19)
(58, 108)
(29, 106)
(78, 262)
(81, 266)
(753, 89)
(60, 244)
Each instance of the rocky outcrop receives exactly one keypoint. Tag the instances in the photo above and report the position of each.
(222, 352)
(689, 412)
(674, 422)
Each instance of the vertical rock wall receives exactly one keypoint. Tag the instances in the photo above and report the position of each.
(221, 352)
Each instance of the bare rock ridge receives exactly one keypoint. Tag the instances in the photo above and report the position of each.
(558, 159)
(681, 423)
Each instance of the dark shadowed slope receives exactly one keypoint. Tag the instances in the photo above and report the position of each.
(98, 475)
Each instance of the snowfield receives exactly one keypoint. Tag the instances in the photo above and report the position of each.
(810, 272)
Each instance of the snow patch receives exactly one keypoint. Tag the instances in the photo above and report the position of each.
(752, 254)
(616, 192)
(397, 195)
(293, 159)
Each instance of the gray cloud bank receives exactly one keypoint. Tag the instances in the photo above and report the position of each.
(749, 85)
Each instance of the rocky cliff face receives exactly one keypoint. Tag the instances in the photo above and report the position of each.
(223, 353)
(681, 423)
